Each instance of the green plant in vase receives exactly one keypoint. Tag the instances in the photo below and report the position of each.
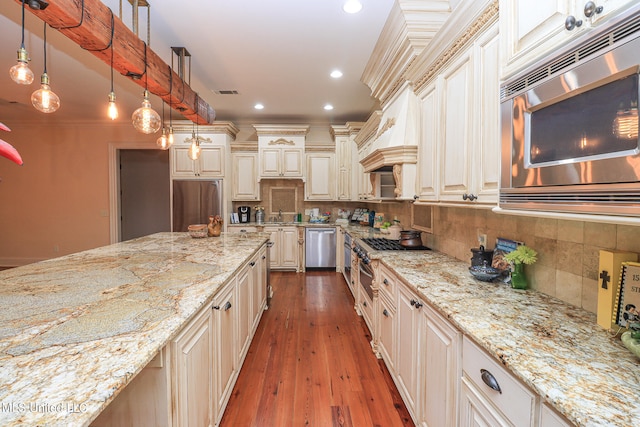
(521, 256)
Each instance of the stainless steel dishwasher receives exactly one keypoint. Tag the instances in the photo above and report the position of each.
(320, 247)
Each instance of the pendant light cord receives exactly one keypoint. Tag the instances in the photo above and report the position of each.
(22, 43)
(111, 43)
(45, 48)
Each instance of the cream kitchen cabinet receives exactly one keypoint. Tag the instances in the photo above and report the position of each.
(281, 150)
(226, 314)
(344, 150)
(284, 251)
(244, 182)
(427, 363)
(459, 146)
(320, 183)
(209, 164)
(281, 162)
(532, 30)
(549, 418)
(490, 395)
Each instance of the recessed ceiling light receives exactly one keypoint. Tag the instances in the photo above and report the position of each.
(258, 106)
(352, 6)
(328, 107)
(336, 74)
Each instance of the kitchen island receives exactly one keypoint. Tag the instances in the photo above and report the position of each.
(75, 330)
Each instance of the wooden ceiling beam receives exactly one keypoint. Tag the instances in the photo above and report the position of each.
(94, 35)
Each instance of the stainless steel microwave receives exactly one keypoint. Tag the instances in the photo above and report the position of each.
(569, 128)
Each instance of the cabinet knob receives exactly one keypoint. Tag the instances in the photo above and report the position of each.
(591, 9)
(570, 23)
(252, 263)
(385, 281)
(385, 312)
(471, 197)
(419, 304)
(490, 380)
(364, 303)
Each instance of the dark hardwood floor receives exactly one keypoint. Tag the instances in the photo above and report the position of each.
(311, 364)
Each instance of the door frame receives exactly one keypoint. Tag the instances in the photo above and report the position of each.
(115, 233)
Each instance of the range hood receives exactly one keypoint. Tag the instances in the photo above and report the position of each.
(394, 147)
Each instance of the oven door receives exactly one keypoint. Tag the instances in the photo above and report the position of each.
(366, 278)
(346, 271)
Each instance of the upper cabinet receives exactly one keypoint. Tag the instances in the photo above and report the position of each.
(281, 150)
(346, 154)
(457, 83)
(320, 183)
(213, 141)
(531, 30)
(244, 180)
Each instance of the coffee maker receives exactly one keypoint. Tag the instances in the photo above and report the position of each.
(244, 213)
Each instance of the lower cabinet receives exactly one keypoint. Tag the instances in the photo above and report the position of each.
(427, 361)
(189, 383)
(284, 251)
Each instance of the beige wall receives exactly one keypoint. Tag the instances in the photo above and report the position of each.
(57, 202)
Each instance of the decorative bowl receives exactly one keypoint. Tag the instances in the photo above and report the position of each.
(197, 231)
(485, 273)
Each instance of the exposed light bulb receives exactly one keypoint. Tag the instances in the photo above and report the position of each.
(44, 99)
(194, 149)
(145, 119)
(163, 141)
(112, 109)
(21, 73)
(170, 137)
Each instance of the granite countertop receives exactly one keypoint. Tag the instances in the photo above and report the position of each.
(556, 349)
(75, 330)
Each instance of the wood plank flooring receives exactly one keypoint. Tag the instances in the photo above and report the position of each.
(311, 364)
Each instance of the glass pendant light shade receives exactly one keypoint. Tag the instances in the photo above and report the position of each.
(112, 109)
(163, 141)
(44, 99)
(145, 119)
(194, 149)
(21, 73)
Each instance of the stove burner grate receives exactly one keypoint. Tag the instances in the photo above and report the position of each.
(382, 244)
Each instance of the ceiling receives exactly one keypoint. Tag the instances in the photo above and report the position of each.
(278, 53)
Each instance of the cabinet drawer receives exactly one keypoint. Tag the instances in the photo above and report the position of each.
(388, 284)
(241, 229)
(515, 401)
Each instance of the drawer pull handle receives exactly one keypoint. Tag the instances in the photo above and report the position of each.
(490, 380)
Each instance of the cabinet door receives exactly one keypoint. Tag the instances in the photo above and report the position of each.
(274, 250)
(408, 333)
(193, 382)
(245, 318)
(259, 285)
(225, 347)
(531, 29)
(441, 371)
(548, 418)
(181, 164)
(291, 162)
(245, 185)
(427, 154)
(387, 344)
(344, 168)
(211, 162)
(270, 162)
(320, 177)
(289, 247)
(475, 411)
(486, 144)
(455, 165)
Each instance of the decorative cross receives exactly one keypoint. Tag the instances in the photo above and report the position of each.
(604, 275)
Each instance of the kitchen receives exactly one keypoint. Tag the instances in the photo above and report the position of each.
(568, 246)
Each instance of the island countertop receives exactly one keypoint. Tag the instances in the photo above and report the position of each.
(557, 349)
(76, 329)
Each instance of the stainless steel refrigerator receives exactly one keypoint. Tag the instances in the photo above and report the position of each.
(194, 201)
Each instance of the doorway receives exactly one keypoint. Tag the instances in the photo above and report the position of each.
(144, 192)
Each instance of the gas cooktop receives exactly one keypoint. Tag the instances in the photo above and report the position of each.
(381, 244)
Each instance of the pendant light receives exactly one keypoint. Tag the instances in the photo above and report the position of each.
(44, 99)
(21, 73)
(170, 137)
(163, 142)
(194, 149)
(112, 109)
(145, 119)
